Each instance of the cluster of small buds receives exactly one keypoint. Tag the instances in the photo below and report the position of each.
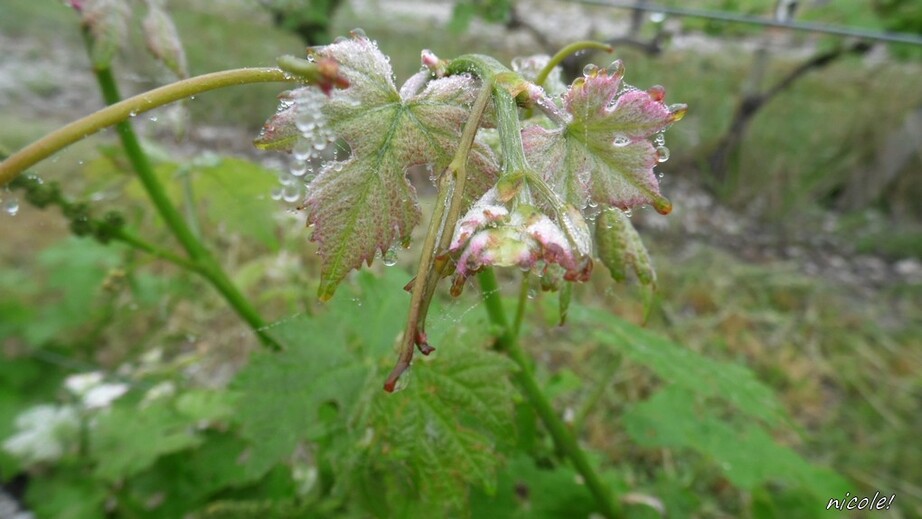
(492, 234)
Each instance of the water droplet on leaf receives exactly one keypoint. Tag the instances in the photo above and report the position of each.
(621, 141)
(291, 194)
(390, 257)
(662, 154)
(11, 207)
(404, 381)
(299, 168)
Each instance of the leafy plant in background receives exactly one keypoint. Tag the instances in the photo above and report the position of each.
(526, 178)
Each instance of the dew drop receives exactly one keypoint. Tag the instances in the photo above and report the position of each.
(11, 207)
(299, 168)
(302, 149)
(153, 118)
(616, 68)
(291, 194)
(621, 141)
(657, 17)
(591, 70)
(628, 212)
(277, 193)
(660, 139)
(286, 179)
(660, 175)
(404, 381)
(132, 113)
(390, 257)
(662, 154)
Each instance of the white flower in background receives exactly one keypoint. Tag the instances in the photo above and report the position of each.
(80, 383)
(43, 433)
(93, 393)
(103, 395)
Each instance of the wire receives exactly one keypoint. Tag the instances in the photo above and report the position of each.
(837, 30)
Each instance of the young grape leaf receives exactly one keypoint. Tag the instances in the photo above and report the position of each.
(439, 436)
(281, 394)
(603, 154)
(237, 197)
(528, 491)
(682, 367)
(127, 439)
(65, 493)
(365, 203)
(442, 433)
(746, 453)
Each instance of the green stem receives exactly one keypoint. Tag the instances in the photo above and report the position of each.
(566, 51)
(121, 111)
(510, 132)
(522, 303)
(207, 266)
(132, 240)
(507, 343)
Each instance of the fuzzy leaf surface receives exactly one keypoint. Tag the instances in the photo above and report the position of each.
(446, 430)
(365, 203)
(604, 153)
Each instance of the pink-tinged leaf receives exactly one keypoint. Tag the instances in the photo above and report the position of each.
(163, 41)
(603, 154)
(364, 204)
(620, 247)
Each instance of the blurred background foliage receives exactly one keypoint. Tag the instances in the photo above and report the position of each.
(781, 363)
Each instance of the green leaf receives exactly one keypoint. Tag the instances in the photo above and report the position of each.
(620, 248)
(281, 394)
(746, 454)
(128, 439)
(420, 448)
(200, 404)
(66, 493)
(443, 432)
(183, 482)
(682, 367)
(365, 203)
(527, 491)
(74, 269)
(603, 154)
(235, 192)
